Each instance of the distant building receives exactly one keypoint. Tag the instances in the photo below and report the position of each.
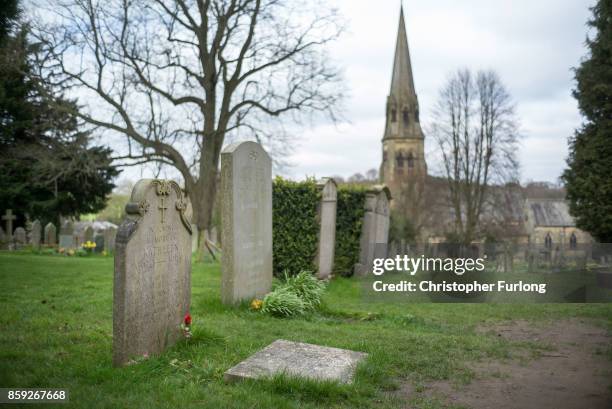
(549, 224)
(403, 167)
(535, 214)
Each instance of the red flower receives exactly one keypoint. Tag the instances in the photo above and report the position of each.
(187, 319)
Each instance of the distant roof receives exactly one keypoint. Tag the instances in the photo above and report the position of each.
(549, 212)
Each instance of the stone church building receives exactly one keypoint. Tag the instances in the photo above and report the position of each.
(524, 215)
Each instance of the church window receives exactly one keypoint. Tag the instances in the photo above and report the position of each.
(384, 156)
(399, 159)
(393, 115)
(410, 160)
(573, 242)
(406, 116)
(548, 241)
(416, 115)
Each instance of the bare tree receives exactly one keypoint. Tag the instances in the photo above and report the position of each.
(372, 175)
(175, 77)
(477, 133)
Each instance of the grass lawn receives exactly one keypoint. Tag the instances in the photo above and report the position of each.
(56, 332)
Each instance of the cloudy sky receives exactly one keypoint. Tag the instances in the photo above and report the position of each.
(532, 45)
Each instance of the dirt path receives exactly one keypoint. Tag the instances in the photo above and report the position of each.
(575, 373)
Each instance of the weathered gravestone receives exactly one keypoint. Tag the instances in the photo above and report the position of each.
(99, 240)
(327, 230)
(298, 359)
(88, 234)
(383, 197)
(66, 236)
(50, 234)
(9, 218)
(246, 194)
(375, 229)
(20, 237)
(152, 284)
(35, 234)
(109, 239)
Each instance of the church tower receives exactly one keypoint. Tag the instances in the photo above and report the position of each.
(403, 167)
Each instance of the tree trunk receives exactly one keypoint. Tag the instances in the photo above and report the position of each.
(205, 190)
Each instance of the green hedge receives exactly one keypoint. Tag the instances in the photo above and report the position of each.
(295, 228)
(349, 217)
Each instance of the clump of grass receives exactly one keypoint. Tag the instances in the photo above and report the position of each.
(306, 286)
(294, 296)
(283, 302)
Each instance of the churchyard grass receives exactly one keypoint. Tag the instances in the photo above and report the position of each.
(56, 332)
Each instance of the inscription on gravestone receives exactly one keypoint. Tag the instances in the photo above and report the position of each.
(152, 284)
(246, 194)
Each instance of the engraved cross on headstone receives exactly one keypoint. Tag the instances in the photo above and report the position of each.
(9, 217)
(162, 208)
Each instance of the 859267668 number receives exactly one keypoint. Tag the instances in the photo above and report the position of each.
(32, 395)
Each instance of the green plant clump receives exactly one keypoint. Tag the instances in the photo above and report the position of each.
(294, 296)
(307, 287)
(283, 302)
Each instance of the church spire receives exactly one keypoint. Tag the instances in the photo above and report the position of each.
(402, 82)
(402, 103)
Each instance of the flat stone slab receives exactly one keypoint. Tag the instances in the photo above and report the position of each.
(298, 359)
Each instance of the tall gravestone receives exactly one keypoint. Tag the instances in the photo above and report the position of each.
(50, 234)
(374, 229)
(152, 283)
(382, 212)
(246, 194)
(327, 229)
(35, 234)
(109, 239)
(66, 236)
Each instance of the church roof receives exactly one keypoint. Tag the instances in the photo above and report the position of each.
(401, 80)
(549, 212)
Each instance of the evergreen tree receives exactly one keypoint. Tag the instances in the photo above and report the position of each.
(588, 178)
(47, 166)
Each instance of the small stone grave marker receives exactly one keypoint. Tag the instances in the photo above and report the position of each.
(298, 359)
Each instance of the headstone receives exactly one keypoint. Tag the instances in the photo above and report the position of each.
(327, 230)
(152, 284)
(298, 359)
(88, 234)
(66, 236)
(109, 239)
(374, 229)
(35, 234)
(50, 234)
(99, 240)
(382, 211)
(246, 194)
(2, 235)
(9, 218)
(20, 237)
